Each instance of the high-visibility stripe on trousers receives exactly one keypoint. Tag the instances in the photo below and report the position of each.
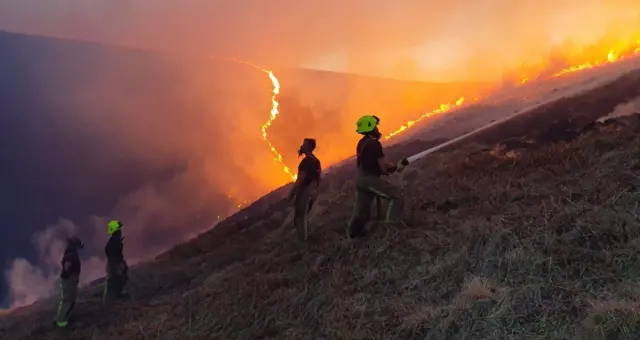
(68, 295)
(369, 187)
(302, 209)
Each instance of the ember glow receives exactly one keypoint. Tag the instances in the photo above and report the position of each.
(444, 108)
(277, 156)
(596, 56)
(614, 54)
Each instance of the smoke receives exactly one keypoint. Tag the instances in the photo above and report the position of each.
(446, 40)
(156, 216)
(30, 282)
(631, 107)
(169, 144)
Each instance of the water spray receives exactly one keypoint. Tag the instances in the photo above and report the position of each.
(431, 150)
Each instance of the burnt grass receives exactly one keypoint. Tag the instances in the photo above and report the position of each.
(530, 240)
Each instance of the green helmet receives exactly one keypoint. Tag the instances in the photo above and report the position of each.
(367, 124)
(114, 226)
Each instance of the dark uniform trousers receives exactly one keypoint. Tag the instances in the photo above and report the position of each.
(302, 209)
(116, 279)
(68, 295)
(368, 188)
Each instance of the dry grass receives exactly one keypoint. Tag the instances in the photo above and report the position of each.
(539, 243)
(612, 319)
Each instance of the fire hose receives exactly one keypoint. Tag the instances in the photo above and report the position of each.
(406, 161)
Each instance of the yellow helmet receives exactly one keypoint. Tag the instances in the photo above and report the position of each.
(367, 124)
(114, 226)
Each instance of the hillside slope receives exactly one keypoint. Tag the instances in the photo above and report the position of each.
(533, 239)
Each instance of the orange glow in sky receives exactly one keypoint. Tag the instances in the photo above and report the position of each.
(487, 42)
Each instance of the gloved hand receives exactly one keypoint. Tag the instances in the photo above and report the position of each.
(392, 169)
(402, 164)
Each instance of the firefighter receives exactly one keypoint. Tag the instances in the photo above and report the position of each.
(371, 166)
(117, 267)
(69, 279)
(305, 189)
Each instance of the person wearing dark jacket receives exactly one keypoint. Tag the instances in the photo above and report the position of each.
(117, 267)
(69, 279)
(305, 190)
(371, 166)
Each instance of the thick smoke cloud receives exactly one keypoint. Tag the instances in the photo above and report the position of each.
(157, 216)
(30, 282)
(408, 39)
(158, 142)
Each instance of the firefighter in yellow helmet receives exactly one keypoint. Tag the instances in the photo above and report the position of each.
(371, 166)
(117, 267)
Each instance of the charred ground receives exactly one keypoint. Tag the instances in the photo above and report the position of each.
(530, 240)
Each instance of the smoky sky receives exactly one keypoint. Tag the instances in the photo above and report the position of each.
(473, 39)
(90, 133)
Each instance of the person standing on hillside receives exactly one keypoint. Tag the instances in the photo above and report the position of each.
(117, 267)
(371, 165)
(305, 189)
(69, 280)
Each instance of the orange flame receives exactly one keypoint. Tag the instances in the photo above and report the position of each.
(615, 54)
(232, 196)
(577, 68)
(442, 109)
(274, 113)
